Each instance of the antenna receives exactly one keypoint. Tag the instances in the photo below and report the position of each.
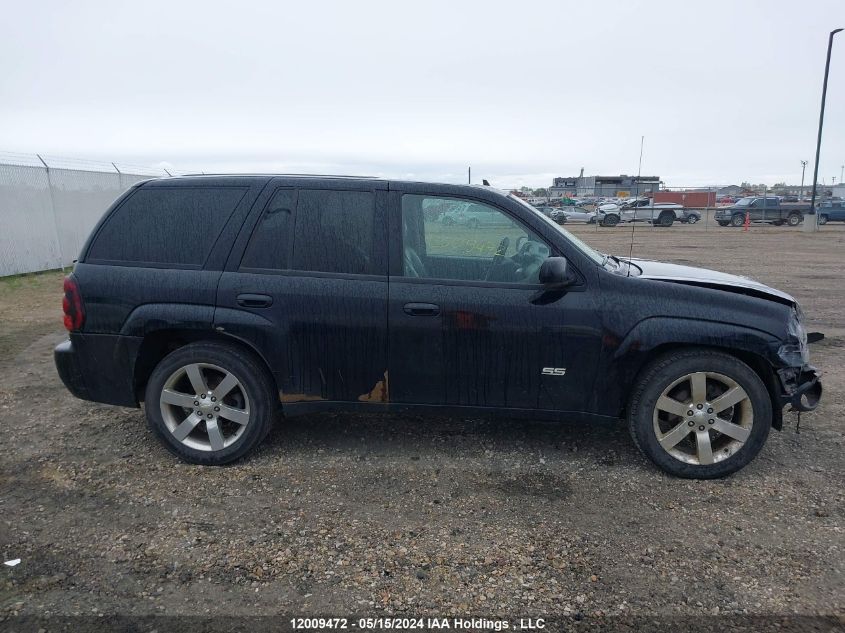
(636, 197)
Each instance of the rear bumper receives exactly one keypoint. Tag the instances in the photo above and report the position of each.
(68, 368)
(802, 387)
(99, 367)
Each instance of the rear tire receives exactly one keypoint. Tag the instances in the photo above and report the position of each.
(794, 219)
(714, 441)
(666, 219)
(822, 220)
(692, 219)
(180, 411)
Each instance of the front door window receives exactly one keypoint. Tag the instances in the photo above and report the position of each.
(456, 239)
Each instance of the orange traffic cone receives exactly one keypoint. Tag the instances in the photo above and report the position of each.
(747, 222)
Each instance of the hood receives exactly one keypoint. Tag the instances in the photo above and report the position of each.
(708, 279)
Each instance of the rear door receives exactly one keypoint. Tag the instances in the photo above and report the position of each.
(306, 285)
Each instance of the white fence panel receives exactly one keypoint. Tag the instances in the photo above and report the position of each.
(46, 214)
(28, 238)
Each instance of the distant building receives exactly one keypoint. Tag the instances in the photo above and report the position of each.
(604, 186)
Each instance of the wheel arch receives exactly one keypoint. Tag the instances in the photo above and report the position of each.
(754, 360)
(159, 343)
(654, 338)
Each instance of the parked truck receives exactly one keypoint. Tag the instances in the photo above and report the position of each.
(657, 213)
(767, 209)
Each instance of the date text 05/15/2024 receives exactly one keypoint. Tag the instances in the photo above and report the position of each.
(406, 624)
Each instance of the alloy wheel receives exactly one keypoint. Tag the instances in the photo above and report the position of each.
(703, 418)
(204, 406)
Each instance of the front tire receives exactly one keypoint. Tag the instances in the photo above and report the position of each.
(822, 220)
(210, 403)
(699, 414)
(738, 219)
(610, 220)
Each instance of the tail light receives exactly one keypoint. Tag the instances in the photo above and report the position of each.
(72, 305)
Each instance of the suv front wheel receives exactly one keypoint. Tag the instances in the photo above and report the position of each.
(699, 414)
(210, 403)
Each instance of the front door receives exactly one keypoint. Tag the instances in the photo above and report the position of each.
(463, 328)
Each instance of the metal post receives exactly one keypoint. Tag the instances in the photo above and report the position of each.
(53, 207)
(813, 223)
(801, 195)
(469, 175)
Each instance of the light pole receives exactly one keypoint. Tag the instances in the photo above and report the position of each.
(803, 165)
(813, 223)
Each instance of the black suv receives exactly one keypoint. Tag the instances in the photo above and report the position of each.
(223, 301)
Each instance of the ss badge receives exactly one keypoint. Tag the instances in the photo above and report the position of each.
(554, 371)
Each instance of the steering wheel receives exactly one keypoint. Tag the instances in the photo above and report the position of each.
(498, 257)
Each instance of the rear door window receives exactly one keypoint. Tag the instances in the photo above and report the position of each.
(268, 247)
(166, 225)
(335, 233)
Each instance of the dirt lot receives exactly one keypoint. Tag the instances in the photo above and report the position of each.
(340, 514)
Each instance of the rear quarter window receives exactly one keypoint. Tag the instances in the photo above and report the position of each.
(165, 225)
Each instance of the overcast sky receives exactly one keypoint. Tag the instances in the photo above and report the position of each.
(723, 91)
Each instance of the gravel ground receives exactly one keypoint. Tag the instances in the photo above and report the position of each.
(340, 514)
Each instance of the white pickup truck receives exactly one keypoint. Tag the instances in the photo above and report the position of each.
(660, 214)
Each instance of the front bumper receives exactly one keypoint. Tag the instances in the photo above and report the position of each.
(801, 387)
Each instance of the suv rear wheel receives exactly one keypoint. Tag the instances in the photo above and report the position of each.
(210, 403)
(699, 414)
(794, 219)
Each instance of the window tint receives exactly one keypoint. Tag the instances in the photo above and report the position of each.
(450, 238)
(166, 225)
(334, 232)
(268, 246)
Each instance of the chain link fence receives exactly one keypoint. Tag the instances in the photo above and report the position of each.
(49, 205)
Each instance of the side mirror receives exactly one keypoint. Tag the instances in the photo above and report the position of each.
(554, 271)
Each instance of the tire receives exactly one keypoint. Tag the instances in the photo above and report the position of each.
(473, 224)
(724, 223)
(250, 403)
(666, 219)
(794, 219)
(610, 220)
(692, 219)
(737, 219)
(746, 422)
(822, 220)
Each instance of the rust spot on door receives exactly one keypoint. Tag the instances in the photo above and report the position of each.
(298, 397)
(379, 393)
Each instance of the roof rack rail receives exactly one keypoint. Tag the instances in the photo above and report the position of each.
(294, 175)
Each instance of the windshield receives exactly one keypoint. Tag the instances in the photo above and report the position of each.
(589, 251)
